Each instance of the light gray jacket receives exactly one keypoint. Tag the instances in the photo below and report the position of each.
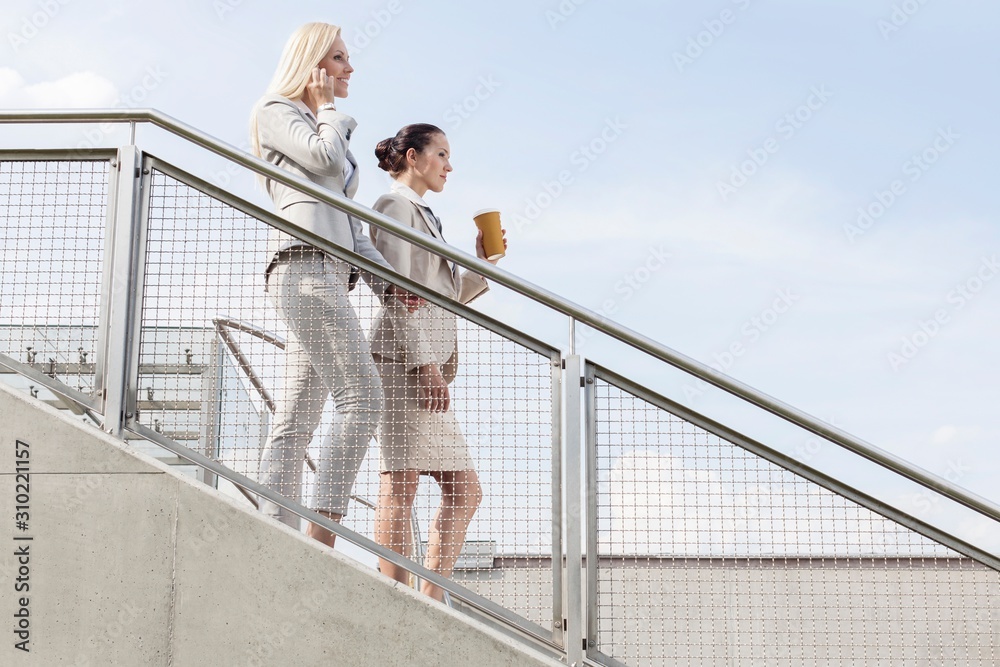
(430, 334)
(315, 149)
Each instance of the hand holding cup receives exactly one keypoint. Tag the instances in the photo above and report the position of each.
(491, 235)
(481, 251)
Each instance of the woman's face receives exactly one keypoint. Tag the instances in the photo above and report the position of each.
(432, 164)
(338, 67)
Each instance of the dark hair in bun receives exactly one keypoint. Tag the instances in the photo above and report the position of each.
(391, 152)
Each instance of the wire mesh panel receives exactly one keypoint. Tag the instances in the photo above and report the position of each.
(711, 555)
(203, 262)
(502, 400)
(226, 371)
(52, 226)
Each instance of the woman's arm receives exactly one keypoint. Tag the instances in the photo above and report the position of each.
(363, 246)
(323, 151)
(395, 250)
(473, 286)
(409, 328)
(415, 329)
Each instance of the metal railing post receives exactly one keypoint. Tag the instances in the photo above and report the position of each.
(574, 512)
(558, 465)
(211, 409)
(101, 337)
(119, 289)
(591, 555)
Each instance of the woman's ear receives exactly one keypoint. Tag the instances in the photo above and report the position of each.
(411, 157)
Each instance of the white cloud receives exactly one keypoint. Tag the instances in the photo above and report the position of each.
(944, 435)
(76, 90)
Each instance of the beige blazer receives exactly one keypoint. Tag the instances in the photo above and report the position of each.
(429, 335)
(315, 148)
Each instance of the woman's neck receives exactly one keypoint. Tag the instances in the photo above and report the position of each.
(414, 182)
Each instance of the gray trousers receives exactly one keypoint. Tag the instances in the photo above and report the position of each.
(327, 354)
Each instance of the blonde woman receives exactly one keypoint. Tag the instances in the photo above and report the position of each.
(298, 127)
(417, 356)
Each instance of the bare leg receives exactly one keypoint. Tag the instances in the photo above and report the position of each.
(460, 498)
(322, 534)
(397, 490)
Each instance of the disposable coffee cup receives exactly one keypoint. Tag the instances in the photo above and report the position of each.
(488, 221)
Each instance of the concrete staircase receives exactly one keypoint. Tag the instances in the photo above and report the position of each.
(132, 563)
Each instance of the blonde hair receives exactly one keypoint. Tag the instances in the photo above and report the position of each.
(305, 48)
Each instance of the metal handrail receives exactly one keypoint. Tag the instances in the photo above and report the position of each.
(248, 487)
(521, 286)
(222, 327)
(789, 463)
(482, 605)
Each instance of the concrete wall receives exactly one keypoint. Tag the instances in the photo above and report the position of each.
(129, 563)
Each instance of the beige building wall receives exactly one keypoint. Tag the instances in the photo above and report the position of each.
(782, 612)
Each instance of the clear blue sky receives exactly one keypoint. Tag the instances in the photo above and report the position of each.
(694, 167)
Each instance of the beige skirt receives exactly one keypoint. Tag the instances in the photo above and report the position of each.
(411, 438)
